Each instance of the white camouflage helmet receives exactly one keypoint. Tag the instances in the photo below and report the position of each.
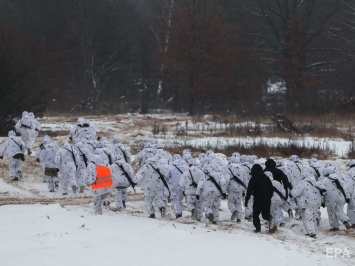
(294, 158)
(116, 140)
(328, 171)
(11, 133)
(312, 160)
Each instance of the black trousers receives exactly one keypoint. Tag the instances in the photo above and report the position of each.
(262, 207)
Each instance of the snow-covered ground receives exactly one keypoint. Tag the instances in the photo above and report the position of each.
(42, 228)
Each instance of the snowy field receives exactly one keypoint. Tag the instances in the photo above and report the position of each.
(42, 228)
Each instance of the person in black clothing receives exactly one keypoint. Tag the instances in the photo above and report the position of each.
(278, 175)
(261, 187)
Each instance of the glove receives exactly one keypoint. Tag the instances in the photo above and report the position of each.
(37, 160)
(198, 197)
(71, 138)
(1, 157)
(347, 201)
(183, 193)
(323, 205)
(243, 194)
(224, 195)
(246, 204)
(41, 146)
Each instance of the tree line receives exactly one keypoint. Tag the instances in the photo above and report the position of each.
(193, 56)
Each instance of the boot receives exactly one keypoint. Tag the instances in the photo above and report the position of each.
(14, 178)
(179, 215)
(290, 213)
(313, 236)
(193, 214)
(162, 211)
(56, 184)
(334, 229)
(297, 214)
(272, 225)
(234, 215)
(81, 190)
(74, 188)
(124, 204)
(152, 216)
(239, 221)
(210, 217)
(353, 226)
(29, 151)
(347, 225)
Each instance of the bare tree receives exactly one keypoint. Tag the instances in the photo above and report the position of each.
(296, 39)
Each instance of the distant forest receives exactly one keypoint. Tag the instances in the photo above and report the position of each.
(195, 56)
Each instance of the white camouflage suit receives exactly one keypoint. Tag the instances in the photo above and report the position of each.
(249, 209)
(36, 128)
(334, 198)
(47, 157)
(13, 146)
(81, 173)
(209, 193)
(277, 201)
(236, 187)
(120, 182)
(189, 181)
(67, 166)
(177, 168)
(24, 127)
(153, 186)
(350, 183)
(309, 198)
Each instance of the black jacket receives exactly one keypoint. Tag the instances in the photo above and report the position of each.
(260, 187)
(280, 176)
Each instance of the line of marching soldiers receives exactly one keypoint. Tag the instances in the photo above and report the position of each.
(287, 185)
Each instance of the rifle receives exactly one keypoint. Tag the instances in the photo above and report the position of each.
(84, 158)
(109, 157)
(211, 178)
(72, 154)
(28, 127)
(317, 172)
(124, 154)
(161, 177)
(236, 179)
(178, 169)
(193, 183)
(127, 176)
(17, 143)
(278, 192)
(338, 185)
